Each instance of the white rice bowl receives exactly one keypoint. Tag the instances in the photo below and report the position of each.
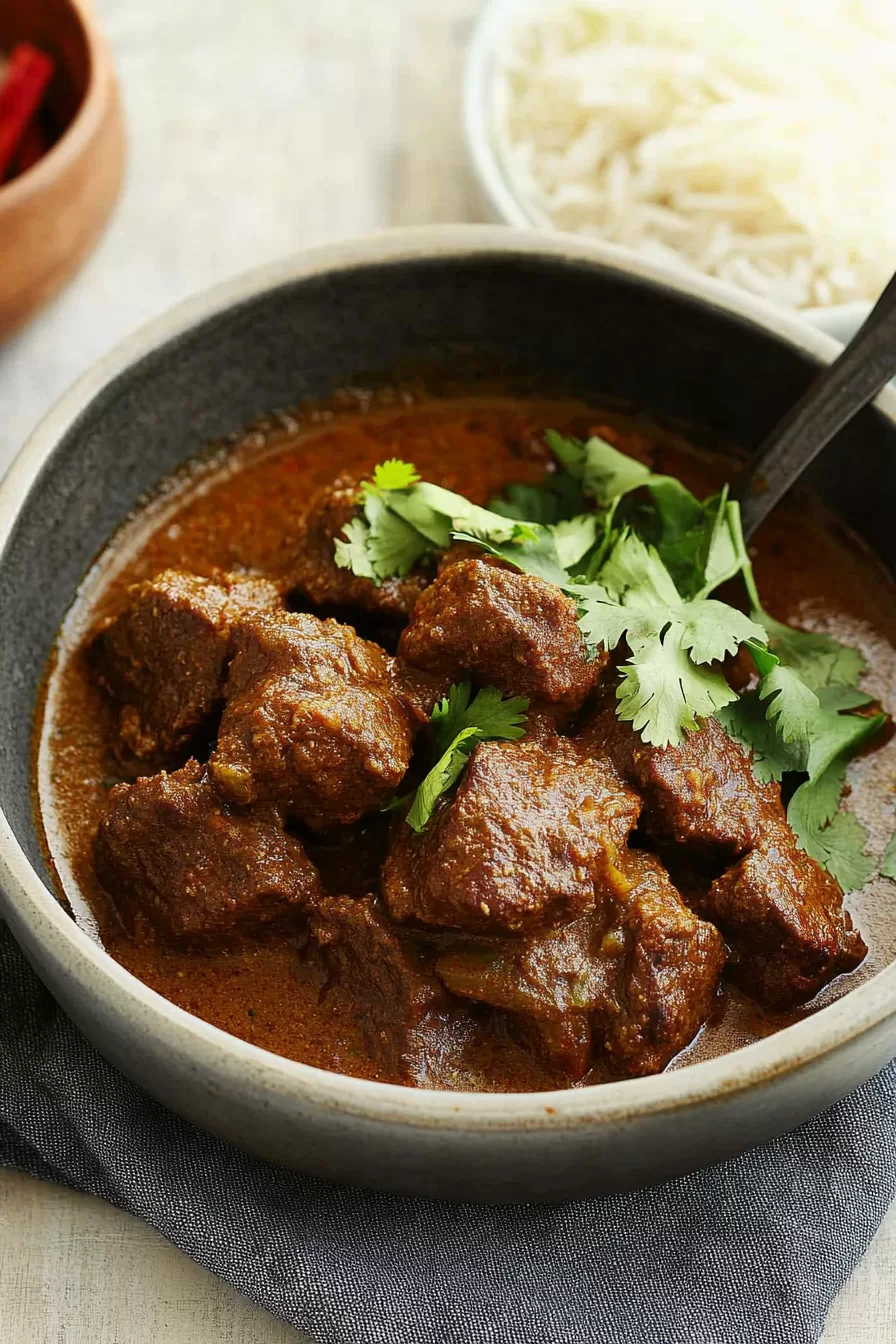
(753, 142)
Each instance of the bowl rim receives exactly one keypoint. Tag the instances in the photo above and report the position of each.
(207, 1047)
(496, 181)
(83, 127)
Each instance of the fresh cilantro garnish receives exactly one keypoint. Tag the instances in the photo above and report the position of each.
(791, 706)
(842, 697)
(888, 862)
(745, 720)
(835, 839)
(393, 547)
(642, 565)
(838, 845)
(489, 712)
(664, 693)
(604, 473)
(351, 549)
(666, 684)
(792, 729)
(558, 497)
(381, 545)
(460, 722)
(395, 475)
(405, 518)
(574, 538)
(819, 659)
(529, 547)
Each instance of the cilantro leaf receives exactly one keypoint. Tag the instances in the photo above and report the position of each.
(837, 840)
(603, 620)
(393, 546)
(663, 693)
(446, 772)
(395, 475)
(607, 473)
(569, 452)
(839, 847)
(635, 574)
(836, 698)
(817, 658)
(834, 839)
(745, 720)
(888, 862)
(489, 711)
(558, 497)
(840, 735)
(574, 538)
(459, 725)
(713, 630)
(437, 512)
(351, 553)
(529, 548)
(637, 595)
(790, 705)
(726, 551)
(449, 716)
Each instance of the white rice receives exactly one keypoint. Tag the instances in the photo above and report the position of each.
(753, 140)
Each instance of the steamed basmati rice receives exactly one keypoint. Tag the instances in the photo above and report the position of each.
(753, 140)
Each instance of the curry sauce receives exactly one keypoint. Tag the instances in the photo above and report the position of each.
(239, 509)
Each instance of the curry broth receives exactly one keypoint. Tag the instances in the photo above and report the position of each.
(238, 508)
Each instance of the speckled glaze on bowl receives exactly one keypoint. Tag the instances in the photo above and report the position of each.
(587, 320)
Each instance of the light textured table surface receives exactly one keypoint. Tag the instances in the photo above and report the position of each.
(256, 128)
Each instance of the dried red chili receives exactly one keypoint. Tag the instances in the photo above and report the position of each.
(22, 91)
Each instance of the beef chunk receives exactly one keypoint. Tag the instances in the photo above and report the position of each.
(504, 629)
(780, 912)
(670, 964)
(418, 691)
(546, 975)
(164, 656)
(783, 918)
(639, 974)
(315, 575)
(312, 721)
(701, 795)
(563, 1045)
(392, 992)
(169, 852)
(531, 835)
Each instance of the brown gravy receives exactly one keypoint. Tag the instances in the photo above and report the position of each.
(238, 508)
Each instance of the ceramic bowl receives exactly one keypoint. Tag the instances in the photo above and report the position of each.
(52, 215)
(502, 198)
(473, 301)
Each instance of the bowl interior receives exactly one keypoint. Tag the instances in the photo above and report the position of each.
(56, 27)
(530, 320)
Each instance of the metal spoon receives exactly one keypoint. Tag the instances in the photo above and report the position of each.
(836, 395)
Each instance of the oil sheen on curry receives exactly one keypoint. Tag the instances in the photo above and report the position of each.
(233, 728)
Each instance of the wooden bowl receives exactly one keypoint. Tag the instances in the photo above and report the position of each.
(52, 215)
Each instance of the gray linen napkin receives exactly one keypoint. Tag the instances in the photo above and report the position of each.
(751, 1252)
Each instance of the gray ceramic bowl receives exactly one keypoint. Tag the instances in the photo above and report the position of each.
(472, 299)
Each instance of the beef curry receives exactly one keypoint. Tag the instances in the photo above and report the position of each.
(232, 723)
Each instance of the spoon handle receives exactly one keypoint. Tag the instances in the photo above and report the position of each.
(854, 379)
